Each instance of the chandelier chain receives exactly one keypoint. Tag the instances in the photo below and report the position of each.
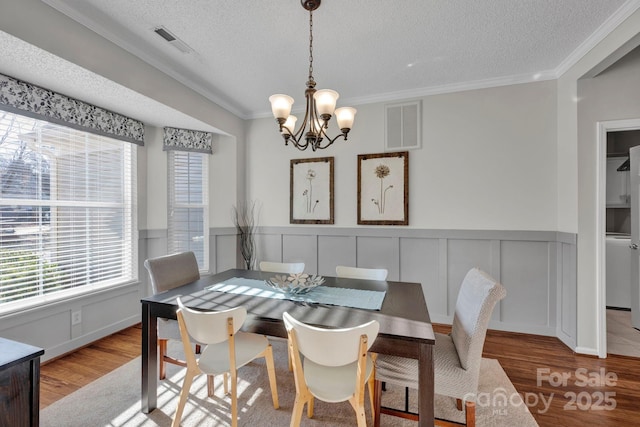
(320, 107)
(311, 45)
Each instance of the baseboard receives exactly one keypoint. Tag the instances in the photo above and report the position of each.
(84, 340)
(589, 351)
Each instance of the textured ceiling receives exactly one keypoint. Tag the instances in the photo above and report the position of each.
(367, 50)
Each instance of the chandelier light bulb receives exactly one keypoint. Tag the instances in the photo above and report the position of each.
(326, 101)
(345, 117)
(289, 125)
(281, 105)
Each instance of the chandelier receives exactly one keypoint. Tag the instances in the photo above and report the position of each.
(321, 105)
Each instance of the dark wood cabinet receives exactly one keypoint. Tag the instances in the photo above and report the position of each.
(19, 384)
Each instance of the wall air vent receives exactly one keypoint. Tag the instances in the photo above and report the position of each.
(172, 39)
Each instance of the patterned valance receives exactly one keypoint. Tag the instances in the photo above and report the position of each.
(187, 140)
(24, 98)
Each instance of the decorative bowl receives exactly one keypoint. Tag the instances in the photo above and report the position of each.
(294, 284)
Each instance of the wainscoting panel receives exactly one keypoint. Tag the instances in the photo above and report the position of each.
(538, 268)
(379, 252)
(525, 274)
(420, 262)
(226, 253)
(567, 295)
(268, 248)
(296, 248)
(530, 264)
(333, 251)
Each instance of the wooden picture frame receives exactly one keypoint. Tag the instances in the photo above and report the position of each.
(383, 188)
(311, 191)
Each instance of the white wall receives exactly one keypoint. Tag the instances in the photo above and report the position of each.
(577, 187)
(488, 161)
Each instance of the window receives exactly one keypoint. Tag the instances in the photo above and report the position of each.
(67, 211)
(188, 205)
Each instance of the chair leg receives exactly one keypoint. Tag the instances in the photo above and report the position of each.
(210, 387)
(296, 414)
(459, 404)
(377, 402)
(271, 370)
(371, 383)
(162, 352)
(234, 399)
(470, 409)
(225, 382)
(310, 407)
(361, 417)
(184, 393)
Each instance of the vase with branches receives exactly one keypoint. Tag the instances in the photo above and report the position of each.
(244, 217)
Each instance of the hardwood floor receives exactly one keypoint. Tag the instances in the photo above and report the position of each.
(596, 392)
(69, 373)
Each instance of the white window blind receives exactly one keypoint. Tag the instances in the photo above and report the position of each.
(188, 218)
(67, 211)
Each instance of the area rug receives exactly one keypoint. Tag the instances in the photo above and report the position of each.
(114, 401)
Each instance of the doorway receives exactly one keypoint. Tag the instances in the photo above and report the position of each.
(616, 281)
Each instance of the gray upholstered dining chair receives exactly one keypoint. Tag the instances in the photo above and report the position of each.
(166, 273)
(457, 356)
(282, 267)
(361, 273)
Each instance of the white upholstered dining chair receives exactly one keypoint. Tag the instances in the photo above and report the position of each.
(361, 273)
(166, 273)
(226, 350)
(282, 267)
(457, 356)
(336, 365)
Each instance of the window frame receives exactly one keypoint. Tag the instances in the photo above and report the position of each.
(175, 246)
(127, 153)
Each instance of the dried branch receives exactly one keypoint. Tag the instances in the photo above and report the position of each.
(244, 218)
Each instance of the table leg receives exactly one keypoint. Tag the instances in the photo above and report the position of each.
(149, 398)
(426, 383)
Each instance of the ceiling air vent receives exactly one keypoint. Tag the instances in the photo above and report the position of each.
(172, 39)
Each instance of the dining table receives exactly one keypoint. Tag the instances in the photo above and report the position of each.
(405, 327)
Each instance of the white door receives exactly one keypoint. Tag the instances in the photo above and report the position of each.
(634, 154)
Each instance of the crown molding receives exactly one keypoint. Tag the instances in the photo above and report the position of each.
(126, 45)
(619, 16)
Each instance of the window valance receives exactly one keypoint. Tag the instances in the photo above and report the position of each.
(30, 100)
(187, 140)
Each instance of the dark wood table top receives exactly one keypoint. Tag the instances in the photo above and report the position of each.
(404, 314)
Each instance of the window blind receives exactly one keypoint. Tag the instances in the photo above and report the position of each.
(67, 211)
(188, 223)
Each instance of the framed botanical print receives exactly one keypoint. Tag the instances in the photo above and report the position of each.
(311, 196)
(383, 189)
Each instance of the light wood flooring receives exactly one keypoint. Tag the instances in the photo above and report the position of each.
(532, 363)
(622, 338)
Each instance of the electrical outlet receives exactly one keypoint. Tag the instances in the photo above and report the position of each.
(76, 317)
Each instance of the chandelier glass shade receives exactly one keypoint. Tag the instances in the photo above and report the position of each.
(320, 107)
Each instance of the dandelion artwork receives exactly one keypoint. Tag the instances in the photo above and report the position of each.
(383, 188)
(311, 194)
(382, 171)
(311, 204)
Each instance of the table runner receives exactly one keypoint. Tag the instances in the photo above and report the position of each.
(355, 298)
